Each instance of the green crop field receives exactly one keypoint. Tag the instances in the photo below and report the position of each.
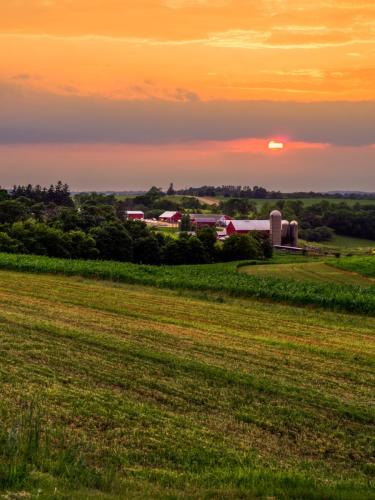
(219, 278)
(113, 390)
(309, 271)
(362, 265)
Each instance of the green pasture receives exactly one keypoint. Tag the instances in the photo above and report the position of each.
(319, 272)
(362, 265)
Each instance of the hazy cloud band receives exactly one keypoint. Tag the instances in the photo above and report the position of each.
(36, 117)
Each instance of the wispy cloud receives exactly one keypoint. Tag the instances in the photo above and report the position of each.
(233, 39)
(36, 117)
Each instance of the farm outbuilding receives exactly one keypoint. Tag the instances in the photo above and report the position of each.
(135, 215)
(204, 222)
(200, 220)
(171, 217)
(279, 230)
(247, 226)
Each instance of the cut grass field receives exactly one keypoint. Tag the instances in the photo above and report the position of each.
(146, 393)
(319, 272)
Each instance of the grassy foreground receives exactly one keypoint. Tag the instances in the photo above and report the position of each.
(143, 393)
(223, 278)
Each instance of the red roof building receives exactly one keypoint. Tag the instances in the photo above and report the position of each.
(171, 217)
(246, 226)
(135, 215)
(201, 220)
(204, 222)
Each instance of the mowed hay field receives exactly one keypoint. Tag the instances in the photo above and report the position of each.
(140, 392)
(310, 271)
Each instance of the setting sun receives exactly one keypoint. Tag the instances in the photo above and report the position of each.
(275, 145)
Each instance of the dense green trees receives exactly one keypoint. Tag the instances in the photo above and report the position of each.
(207, 236)
(185, 224)
(238, 206)
(184, 250)
(258, 192)
(319, 221)
(318, 234)
(242, 247)
(113, 241)
(58, 194)
(9, 244)
(47, 222)
(356, 221)
(42, 221)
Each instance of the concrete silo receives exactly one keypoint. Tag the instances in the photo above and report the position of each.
(294, 233)
(275, 226)
(284, 232)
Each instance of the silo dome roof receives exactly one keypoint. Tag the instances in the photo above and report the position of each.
(275, 213)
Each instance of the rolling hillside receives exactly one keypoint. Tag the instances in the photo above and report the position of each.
(137, 392)
(222, 278)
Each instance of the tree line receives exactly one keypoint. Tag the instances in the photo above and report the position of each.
(321, 220)
(259, 192)
(47, 221)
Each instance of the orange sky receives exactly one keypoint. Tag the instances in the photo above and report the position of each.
(189, 51)
(232, 49)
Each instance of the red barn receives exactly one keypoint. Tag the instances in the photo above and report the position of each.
(204, 222)
(135, 215)
(171, 217)
(206, 219)
(246, 226)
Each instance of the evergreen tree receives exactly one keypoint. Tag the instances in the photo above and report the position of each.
(185, 224)
(171, 190)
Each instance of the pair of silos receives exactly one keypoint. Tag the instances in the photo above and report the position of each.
(281, 231)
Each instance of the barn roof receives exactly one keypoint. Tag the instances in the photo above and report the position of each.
(251, 225)
(134, 212)
(168, 214)
(206, 219)
(199, 217)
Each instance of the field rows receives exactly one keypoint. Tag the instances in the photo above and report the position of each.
(192, 397)
(219, 278)
(319, 272)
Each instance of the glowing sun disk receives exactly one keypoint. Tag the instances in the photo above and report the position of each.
(275, 145)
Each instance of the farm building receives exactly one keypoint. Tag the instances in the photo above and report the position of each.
(171, 217)
(135, 215)
(246, 226)
(203, 222)
(200, 220)
(280, 231)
